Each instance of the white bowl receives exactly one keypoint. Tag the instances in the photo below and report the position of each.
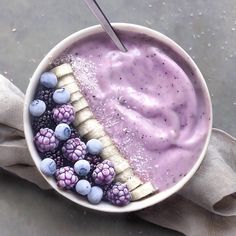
(49, 58)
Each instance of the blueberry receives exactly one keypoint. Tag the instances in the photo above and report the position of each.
(95, 195)
(82, 167)
(94, 146)
(62, 131)
(61, 96)
(83, 187)
(48, 166)
(48, 80)
(37, 107)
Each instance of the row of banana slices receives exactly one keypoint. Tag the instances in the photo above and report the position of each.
(89, 128)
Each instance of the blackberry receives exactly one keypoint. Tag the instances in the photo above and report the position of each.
(45, 140)
(74, 149)
(57, 157)
(74, 133)
(44, 121)
(64, 114)
(105, 189)
(119, 194)
(46, 96)
(94, 160)
(90, 179)
(66, 177)
(104, 173)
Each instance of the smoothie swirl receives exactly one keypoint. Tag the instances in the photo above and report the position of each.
(149, 102)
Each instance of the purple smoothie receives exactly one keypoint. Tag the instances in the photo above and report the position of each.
(149, 101)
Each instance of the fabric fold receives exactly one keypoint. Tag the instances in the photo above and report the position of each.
(14, 154)
(216, 177)
(183, 215)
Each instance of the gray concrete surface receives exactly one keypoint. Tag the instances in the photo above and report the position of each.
(206, 29)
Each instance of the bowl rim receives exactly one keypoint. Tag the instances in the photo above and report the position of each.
(49, 58)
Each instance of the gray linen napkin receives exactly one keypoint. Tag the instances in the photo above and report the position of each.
(14, 155)
(205, 206)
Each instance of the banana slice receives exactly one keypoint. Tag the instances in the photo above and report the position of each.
(82, 116)
(62, 70)
(97, 133)
(142, 191)
(125, 175)
(65, 80)
(75, 97)
(109, 151)
(129, 178)
(106, 141)
(118, 158)
(72, 88)
(133, 182)
(121, 166)
(88, 126)
(80, 105)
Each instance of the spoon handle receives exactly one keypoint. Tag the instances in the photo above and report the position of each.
(97, 11)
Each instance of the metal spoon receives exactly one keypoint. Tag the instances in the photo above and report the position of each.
(97, 11)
